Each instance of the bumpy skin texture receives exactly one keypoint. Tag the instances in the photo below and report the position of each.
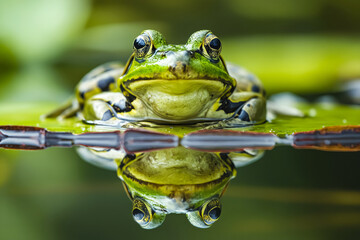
(172, 84)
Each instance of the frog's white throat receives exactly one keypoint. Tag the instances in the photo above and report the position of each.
(178, 99)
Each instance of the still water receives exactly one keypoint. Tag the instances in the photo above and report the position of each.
(282, 193)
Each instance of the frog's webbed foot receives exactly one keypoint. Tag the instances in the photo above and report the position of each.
(67, 110)
(253, 110)
(106, 108)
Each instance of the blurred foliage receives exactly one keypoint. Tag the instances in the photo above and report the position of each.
(303, 47)
(234, 17)
(40, 30)
(299, 64)
(35, 82)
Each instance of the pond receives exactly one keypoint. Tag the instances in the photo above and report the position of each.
(264, 193)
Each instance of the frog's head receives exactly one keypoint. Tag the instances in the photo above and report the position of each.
(202, 217)
(176, 81)
(176, 180)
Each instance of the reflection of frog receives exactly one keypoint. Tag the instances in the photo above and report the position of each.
(169, 84)
(176, 180)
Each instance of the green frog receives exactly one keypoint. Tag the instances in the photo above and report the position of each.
(169, 84)
(176, 180)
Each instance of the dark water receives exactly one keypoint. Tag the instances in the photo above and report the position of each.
(287, 194)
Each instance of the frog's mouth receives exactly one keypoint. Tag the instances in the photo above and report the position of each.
(178, 99)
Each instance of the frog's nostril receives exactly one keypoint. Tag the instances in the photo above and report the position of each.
(178, 67)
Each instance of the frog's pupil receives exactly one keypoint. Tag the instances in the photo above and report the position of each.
(138, 215)
(215, 213)
(215, 43)
(139, 43)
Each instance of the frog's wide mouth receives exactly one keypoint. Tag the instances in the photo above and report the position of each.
(171, 77)
(178, 86)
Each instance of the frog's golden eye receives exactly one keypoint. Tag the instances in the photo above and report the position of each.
(141, 212)
(142, 45)
(211, 47)
(208, 213)
(145, 216)
(211, 211)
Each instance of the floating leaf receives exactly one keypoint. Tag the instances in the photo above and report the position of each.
(336, 138)
(225, 141)
(339, 123)
(131, 140)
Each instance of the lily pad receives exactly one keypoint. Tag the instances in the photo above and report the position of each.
(317, 116)
(324, 126)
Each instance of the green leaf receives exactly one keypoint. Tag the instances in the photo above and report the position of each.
(316, 117)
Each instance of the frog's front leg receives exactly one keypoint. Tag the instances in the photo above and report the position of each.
(253, 110)
(110, 107)
(246, 106)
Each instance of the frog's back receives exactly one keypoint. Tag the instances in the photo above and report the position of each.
(100, 79)
(245, 80)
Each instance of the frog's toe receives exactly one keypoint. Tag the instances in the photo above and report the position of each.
(98, 110)
(108, 115)
(244, 116)
(254, 110)
(67, 110)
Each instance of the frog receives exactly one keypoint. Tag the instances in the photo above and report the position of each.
(173, 181)
(169, 84)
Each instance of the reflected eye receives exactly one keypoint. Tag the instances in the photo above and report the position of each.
(211, 47)
(145, 216)
(206, 215)
(142, 45)
(211, 211)
(138, 215)
(141, 212)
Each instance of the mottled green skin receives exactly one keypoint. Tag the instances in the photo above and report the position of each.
(171, 84)
(156, 66)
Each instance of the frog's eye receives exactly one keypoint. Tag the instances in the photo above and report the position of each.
(145, 216)
(211, 47)
(141, 212)
(211, 211)
(208, 213)
(142, 45)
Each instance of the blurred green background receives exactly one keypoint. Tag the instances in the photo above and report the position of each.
(308, 47)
